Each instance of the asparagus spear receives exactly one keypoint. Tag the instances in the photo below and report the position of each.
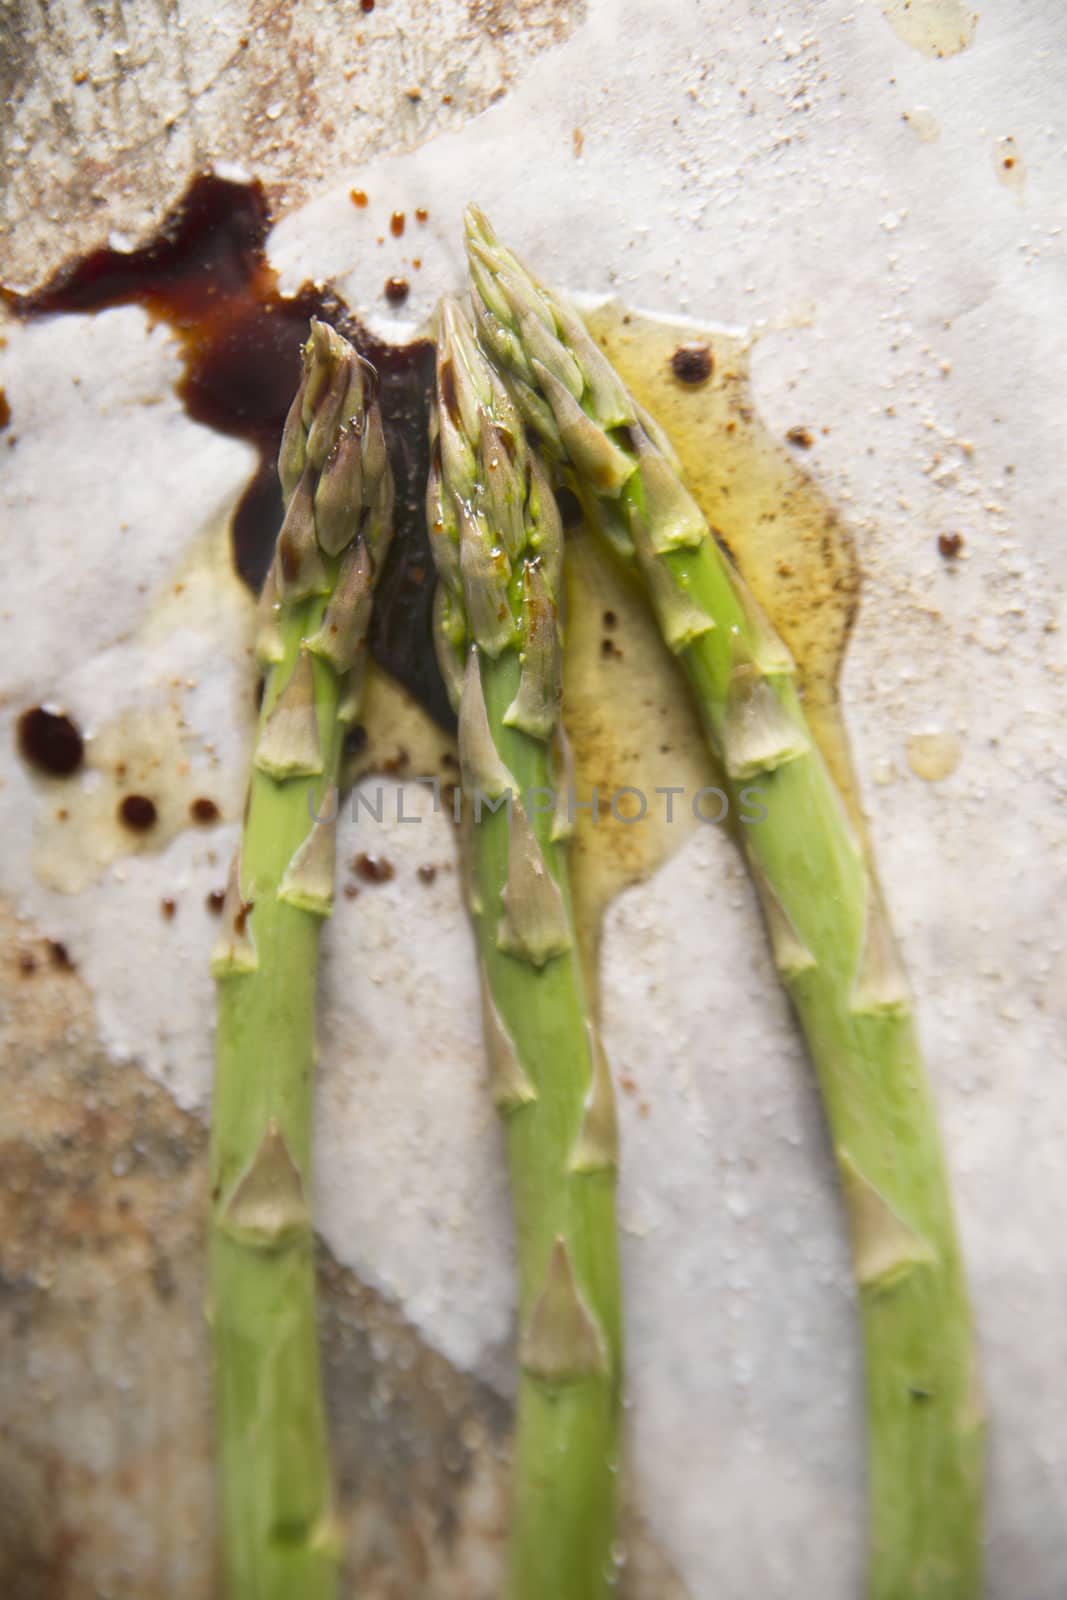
(278, 1535)
(497, 545)
(827, 926)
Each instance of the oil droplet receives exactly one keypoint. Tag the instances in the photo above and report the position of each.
(933, 756)
(936, 28)
(923, 124)
(1008, 165)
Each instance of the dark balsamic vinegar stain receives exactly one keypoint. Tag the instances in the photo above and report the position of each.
(138, 812)
(204, 811)
(50, 741)
(205, 274)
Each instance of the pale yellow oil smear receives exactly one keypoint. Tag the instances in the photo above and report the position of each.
(149, 749)
(933, 27)
(204, 592)
(923, 124)
(631, 725)
(400, 739)
(1009, 166)
(788, 540)
(933, 756)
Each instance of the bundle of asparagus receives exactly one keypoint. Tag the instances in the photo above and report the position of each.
(496, 539)
(277, 1534)
(827, 927)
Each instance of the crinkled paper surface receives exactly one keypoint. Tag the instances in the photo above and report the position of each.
(811, 171)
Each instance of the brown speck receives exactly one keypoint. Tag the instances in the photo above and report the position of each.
(351, 890)
(204, 811)
(396, 224)
(1009, 162)
(446, 99)
(27, 963)
(950, 545)
(644, 1108)
(692, 364)
(800, 437)
(260, 690)
(627, 1084)
(50, 741)
(358, 197)
(396, 763)
(577, 141)
(414, 95)
(138, 812)
(397, 290)
(240, 921)
(421, 213)
(215, 902)
(355, 739)
(609, 619)
(59, 955)
(416, 262)
(426, 873)
(5, 410)
(167, 908)
(609, 649)
(372, 868)
(448, 759)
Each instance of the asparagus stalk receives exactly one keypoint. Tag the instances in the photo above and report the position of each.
(827, 926)
(497, 544)
(278, 1534)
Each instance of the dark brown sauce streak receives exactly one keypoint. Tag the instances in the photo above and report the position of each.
(206, 275)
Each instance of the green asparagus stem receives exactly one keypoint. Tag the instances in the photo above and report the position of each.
(497, 544)
(278, 1535)
(827, 926)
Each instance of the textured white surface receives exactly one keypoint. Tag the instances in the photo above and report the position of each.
(747, 164)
